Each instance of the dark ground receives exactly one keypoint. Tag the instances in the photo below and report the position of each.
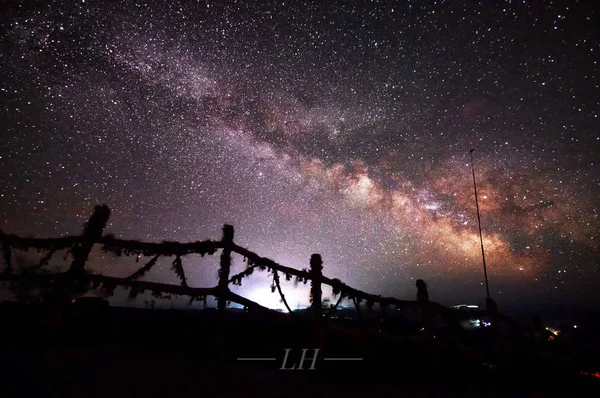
(147, 353)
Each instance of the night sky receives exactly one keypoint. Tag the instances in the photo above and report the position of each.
(342, 129)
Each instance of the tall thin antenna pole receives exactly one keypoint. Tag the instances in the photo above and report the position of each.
(487, 287)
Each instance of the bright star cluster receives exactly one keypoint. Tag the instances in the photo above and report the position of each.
(339, 128)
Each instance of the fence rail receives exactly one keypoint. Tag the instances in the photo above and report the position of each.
(81, 246)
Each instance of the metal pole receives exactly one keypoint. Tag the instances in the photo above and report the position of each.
(487, 288)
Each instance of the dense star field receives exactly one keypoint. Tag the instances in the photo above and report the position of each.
(342, 129)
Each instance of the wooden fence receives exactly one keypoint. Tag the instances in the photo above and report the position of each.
(81, 246)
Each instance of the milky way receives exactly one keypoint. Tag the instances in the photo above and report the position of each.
(340, 129)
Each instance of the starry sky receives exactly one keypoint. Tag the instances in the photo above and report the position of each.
(340, 128)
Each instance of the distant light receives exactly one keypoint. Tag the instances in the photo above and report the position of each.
(553, 331)
(574, 326)
(475, 322)
(465, 305)
(596, 375)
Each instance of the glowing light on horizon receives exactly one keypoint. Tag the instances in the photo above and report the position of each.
(296, 298)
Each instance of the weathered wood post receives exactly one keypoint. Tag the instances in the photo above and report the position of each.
(92, 232)
(423, 303)
(316, 268)
(223, 288)
(225, 266)
(72, 283)
(319, 322)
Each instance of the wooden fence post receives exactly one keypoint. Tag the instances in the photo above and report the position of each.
(92, 232)
(70, 285)
(223, 289)
(225, 266)
(316, 268)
